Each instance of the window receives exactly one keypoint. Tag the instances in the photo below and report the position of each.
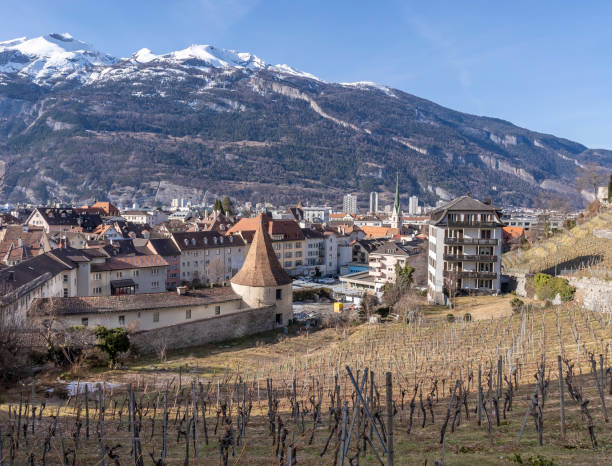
(217, 310)
(84, 321)
(279, 293)
(279, 319)
(135, 273)
(119, 274)
(297, 245)
(218, 251)
(156, 316)
(97, 290)
(65, 278)
(188, 314)
(287, 263)
(97, 276)
(121, 320)
(65, 292)
(155, 284)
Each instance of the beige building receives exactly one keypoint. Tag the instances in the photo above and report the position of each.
(208, 256)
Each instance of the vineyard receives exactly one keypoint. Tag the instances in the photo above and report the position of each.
(534, 386)
(576, 249)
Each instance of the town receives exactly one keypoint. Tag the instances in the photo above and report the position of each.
(144, 269)
(285, 233)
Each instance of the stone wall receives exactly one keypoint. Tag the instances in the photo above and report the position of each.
(200, 332)
(597, 293)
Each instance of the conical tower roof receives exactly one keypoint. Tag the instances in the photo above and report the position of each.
(261, 266)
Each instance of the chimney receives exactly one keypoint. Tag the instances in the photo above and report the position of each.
(19, 243)
(487, 201)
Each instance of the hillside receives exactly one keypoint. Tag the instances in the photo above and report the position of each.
(586, 246)
(77, 124)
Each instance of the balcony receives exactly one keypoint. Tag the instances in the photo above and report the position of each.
(471, 241)
(474, 274)
(472, 224)
(469, 258)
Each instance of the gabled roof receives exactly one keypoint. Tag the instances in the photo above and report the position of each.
(464, 203)
(379, 232)
(395, 249)
(164, 247)
(69, 217)
(188, 240)
(288, 229)
(261, 266)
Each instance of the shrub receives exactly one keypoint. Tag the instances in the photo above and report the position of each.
(547, 287)
(450, 317)
(517, 304)
(467, 317)
(112, 341)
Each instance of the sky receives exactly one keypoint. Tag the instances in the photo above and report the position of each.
(544, 65)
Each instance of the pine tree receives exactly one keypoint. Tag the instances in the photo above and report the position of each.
(218, 207)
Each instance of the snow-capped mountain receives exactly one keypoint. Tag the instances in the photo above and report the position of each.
(51, 57)
(48, 59)
(76, 123)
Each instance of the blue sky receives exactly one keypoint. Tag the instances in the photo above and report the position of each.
(543, 65)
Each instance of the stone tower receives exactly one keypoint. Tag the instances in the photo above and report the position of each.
(262, 281)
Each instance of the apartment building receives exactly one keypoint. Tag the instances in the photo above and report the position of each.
(208, 256)
(465, 247)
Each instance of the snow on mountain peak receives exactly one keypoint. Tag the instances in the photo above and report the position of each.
(51, 56)
(49, 59)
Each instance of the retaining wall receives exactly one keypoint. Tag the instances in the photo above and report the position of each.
(203, 331)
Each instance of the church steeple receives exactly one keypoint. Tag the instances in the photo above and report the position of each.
(396, 205)
(396, 215)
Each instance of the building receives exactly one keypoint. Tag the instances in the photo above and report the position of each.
(287, 238)
(208, 257)
(128, 275)
(313, 214)
(396, 214)
(61, 273)
(259, 299)
(413, 205)
(465, 247)
(349, 204)
(167, 248)
(142, 217)
(262, 281)
(373, 202)
(108, 209)
(52, 219)
(385, 258)
(19, 243)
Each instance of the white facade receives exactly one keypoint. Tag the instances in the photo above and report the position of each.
(373, 202)
(464, 259)
(316, 214)
(212, 264)
(146, 279)
(349, 204)
(413, 205)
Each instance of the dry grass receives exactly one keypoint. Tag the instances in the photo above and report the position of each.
(417, 353)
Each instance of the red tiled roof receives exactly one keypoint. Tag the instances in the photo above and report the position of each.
(289, 229)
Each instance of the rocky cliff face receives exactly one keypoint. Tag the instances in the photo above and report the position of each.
(152, 127)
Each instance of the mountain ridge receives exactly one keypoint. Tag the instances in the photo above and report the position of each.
(205, 119)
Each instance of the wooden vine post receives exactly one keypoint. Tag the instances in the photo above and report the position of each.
(390, 452)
